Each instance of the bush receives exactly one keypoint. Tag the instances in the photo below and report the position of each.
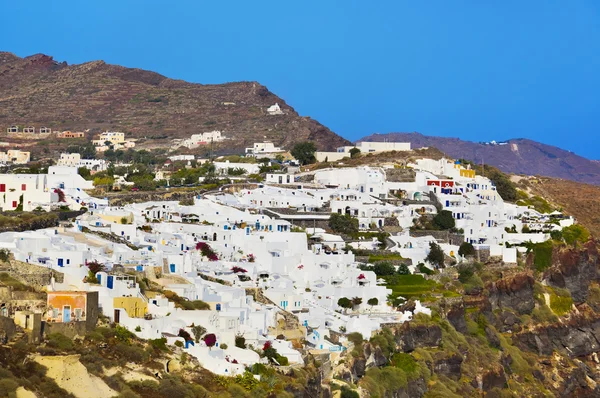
(224, 346)
(122, 334)
(179, 343)
(159, 344)
(355, 338)
(131, 353)
(384, 268)
(574, 234)
(8, 386)
(240, 341)
(403, 269)
(60, 341)
(348, 393)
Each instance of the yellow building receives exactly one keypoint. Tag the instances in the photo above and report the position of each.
(467, 173)
(115, 216)
(135, 307)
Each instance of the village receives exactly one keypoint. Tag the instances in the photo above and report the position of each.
(297, 260)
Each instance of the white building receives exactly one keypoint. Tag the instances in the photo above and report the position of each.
(274, 110)
(263, 149)
(202, 139)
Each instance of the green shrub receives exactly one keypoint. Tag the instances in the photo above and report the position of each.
(224, 346)
(560, 301)
(131, 353)
(8, 386)
(159, 344)
(122, 334)
(60, 341)
(355, 338)
(348, 393)
(179, 343)
(405, 362)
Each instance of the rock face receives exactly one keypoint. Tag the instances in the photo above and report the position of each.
(578, 337)
(39, 91)
(574, 271)
(515, 292)
(448, 366)
(409, 336)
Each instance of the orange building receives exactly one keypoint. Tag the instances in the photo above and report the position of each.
(70, 134)
(72, 306)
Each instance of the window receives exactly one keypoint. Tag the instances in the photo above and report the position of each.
(2, 187)
(370, 189)
(78, 313)
(14, 203)
(23, 187)
(55, 313)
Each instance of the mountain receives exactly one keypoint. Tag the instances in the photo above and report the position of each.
(519, 156)
(39, 91)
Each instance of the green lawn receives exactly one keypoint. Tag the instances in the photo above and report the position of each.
(412, 286)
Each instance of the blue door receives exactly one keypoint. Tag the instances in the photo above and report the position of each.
(60, 262)
(109, 282)
(218, 307)
(99, 278)
(172, 267)
(67, 313)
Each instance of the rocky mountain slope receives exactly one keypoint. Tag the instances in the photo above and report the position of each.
(39, 91)
(519, 156)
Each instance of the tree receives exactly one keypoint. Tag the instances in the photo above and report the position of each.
(403, 269)
(345, 303)
(444, 220)
(436, 255)
(210, 340)
(466, 249)
(198, 331)
(384, 268)
(373, 301)
(356, 301)
(354, 152)
(575, 233)
(304, 152)
(343, 223)
(84, 172)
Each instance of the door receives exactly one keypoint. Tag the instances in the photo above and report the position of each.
(60, 262)
(67, 313)
(117, 316)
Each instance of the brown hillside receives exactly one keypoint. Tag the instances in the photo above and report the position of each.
(39, 91)
(579, 200)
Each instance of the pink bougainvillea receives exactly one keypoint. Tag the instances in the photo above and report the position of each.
(210, 340)
(251, 258)
(301, 266)
(238, 269)
(267, 346)
(61, 195)
(207, 251)
(361, 276)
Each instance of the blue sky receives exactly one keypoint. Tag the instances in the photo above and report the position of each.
(478, 70)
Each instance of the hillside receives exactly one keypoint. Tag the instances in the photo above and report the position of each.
(40, 91)
(518, 156)
(579, 200)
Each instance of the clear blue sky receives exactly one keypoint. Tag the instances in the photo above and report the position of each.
(478, 70)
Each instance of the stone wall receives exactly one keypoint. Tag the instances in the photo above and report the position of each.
(31, 274)
(7, 329)
(70, 329)
(440, 236)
